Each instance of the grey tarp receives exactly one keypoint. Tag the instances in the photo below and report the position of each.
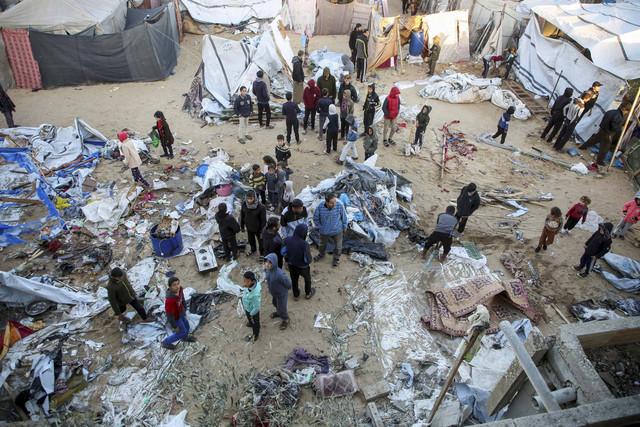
(145, 52)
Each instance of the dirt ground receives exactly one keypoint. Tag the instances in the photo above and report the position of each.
(112, 107)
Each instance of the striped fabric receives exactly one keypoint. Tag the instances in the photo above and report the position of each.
(25, 68)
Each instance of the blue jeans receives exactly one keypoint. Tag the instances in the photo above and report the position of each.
(587, 261)
(182, 334)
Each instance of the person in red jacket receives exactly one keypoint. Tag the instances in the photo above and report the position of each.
(310, 98)
(176, 309)
(577, 211)
(630, 215)
(390, 108)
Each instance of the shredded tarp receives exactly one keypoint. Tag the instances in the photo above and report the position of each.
(140, 274)
(231, 12)
(591, 223)
(225, 283)
(628, 267)
(16, 289)
(104, 214)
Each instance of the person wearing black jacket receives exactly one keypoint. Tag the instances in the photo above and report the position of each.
(293, 215)
(253, 216)
(352, 42)
(595, 248)
(347, 85)
(298, 77)
(468, 202)
(361, 55)
(261, 93)
(557, 114)
(610, 125)
(588, 106)
(271, 239)
(228, 229)
(298, 255)
(371, 102)
(166, 137)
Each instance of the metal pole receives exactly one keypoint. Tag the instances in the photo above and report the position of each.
(554, 88)
(624, 129)
(529, 367)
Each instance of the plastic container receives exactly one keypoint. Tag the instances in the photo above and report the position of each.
(416, 42)
(166, 248)
(202, 170)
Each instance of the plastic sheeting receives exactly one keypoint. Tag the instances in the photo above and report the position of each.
(225, 283)
(630, 270)
(477, 399)
(16, 289)
(231, 12)
(103, 215)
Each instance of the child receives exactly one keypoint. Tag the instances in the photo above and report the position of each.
(445, 225)
(176, 309)
(253, 215)
(346, 108)
(229, 227)
(352, 137)
(323, 111)
(371, 103)
(268, 160)
(370, 142)
(281, 175)
(272, 190)
(243, 107)
(282, 151)
(166, 137)
(120, 293)
(310, 97)
(288, 196)
(577, 211)
(552, 224)
(331, 124)
(279, 285)
(422, 121)
(298, 255)
(258, 182)
(251, 299)
(132, 159)
(291, 110)
(630, 215)
(503, 124)
(595, 248)
(391, 109)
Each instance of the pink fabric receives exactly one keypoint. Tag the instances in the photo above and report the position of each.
(25, 68)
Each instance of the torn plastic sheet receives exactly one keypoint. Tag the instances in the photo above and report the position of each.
(323, 321)
(383, 267)
(628, 267)
(218, 173)
(624, 284)
(588, 311)
(592, 222)
(16, 289)
(140, 274)
(175, 420)
(477, 399)
(521, 209)
(225, 283)
(460, 253)
(103, 215)
(459, 88)
(523, 328)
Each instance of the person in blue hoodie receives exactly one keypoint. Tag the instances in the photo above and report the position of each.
(297, 252)
(279, 285)
(251, 299)
(352, 137)
(503, 124)
(261, 93)
(243, 107)
(330, 217)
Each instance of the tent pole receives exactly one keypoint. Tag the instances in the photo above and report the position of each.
(399, 47)
(624, 130)
(554, 89)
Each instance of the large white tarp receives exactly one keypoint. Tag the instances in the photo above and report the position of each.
(67, 16)
(231, 12)
(16, 289)
(541, 60)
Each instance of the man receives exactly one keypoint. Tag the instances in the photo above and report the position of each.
(253, 215)
(610, 125)
(228, 227)
(242, 108)
(467, 203)
(298, 77)
(511, 58)
(7, 107)
(371, 103)
(352, 40)
(442, 234)
(391, 109)
(292, 216)
(331, 219)
(279, 285)
(120, 293)
(298, 255)
(362, 54)
(435, 54)
(588, 105)
(262, 99)
(346, 85)
(557, 114)
(487, 60)
(326, 80)
(311, 97)
(571, 112)
(271, 239)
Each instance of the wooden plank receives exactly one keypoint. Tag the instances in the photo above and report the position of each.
(18, 200)
(609, 338)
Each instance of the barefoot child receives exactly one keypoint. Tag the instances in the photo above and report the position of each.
(176, 309)
(577, 211)
(251, 299)
(552, 224)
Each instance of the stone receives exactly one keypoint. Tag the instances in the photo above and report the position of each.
(352, 364)
(428, 391)
(373, 414)
(400, 405)
(422, 407)
(376, 390)
(466, 413)
(447, 415)
(432, 371)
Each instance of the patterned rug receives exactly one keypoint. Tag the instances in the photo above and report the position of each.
(451, 307)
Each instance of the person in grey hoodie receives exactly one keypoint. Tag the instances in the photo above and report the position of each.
(347, 68)
(279, 285)
(447, 221)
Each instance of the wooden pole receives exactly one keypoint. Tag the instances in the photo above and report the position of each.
(554, 89)
(624, 129)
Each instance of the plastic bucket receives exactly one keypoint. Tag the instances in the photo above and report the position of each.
(415, 43)
(166, 248)
(202, 170)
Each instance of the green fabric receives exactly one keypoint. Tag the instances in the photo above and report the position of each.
(120, 293)
(251, 299)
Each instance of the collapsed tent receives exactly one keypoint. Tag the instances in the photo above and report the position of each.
(20, 290)
(231, 12)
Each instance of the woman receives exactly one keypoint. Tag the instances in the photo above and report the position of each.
(166, 137)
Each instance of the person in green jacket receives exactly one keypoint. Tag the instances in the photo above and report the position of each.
(422, 121)
(121, 293)
(435, 54)
(326, 80)
(251, 299)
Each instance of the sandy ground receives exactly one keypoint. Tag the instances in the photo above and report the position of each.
(112, 107)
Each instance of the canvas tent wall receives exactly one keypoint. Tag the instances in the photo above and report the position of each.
(611, 32)
(322, 17)
(231, 12)
(488, 16)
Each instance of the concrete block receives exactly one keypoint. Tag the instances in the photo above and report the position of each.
(376, 390)
(622, 411)
(447, 415)
(432, 371)
(422, 408)
(373, 415)
(352, 364)
(466, 413)
(556, 418)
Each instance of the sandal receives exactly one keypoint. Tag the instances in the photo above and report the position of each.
(313, 292)
(274, 315)
(249, 325)
(296, 298)
(284, 325)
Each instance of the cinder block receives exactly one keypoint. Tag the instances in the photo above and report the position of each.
(372, 413)
(352, 364)
(376, 390)
(447, 415)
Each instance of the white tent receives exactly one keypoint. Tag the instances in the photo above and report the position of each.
(231, 12)
(486, 16)
(66, 16)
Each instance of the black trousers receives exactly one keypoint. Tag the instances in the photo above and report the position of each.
(462, 222)
(262, 195)
(507, 71)
(295, 124)
(168, 149)
(570, 223)
(360, 69)
(502, 132)
(436, 237)
(230, 247)
(252, 237)
(367, 155)
(9, 116)
(254, 321)
(565, 133)
(554, 126)
(418, 139)
(137, 307)
(296, 272)
(309, 113)
(368, 117)
(332, 141)
(264, 108)
(602, 137)
(344, 127)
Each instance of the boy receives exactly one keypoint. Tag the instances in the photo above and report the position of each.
(323, 111)
(282, 151)
(258, 182)
(271, 239)
(442, 234)
(595, 248)
(310, 98)
(251, 299)
(577, 211)
(279, 285)
(291, 110)
(391, 109)
(121, 293)
(346, 108)
(466, 204)
(371, 102)
(281, 175)
(346, 85)
(503, 124)
(243, 107)
(370, 142)
(176, 308)
(272, 182)
(332, 126)
(253, 215)
(298, 255)
(422, 121)
(630, 216)
(552, 224)
(228, 229)
(352, 137)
